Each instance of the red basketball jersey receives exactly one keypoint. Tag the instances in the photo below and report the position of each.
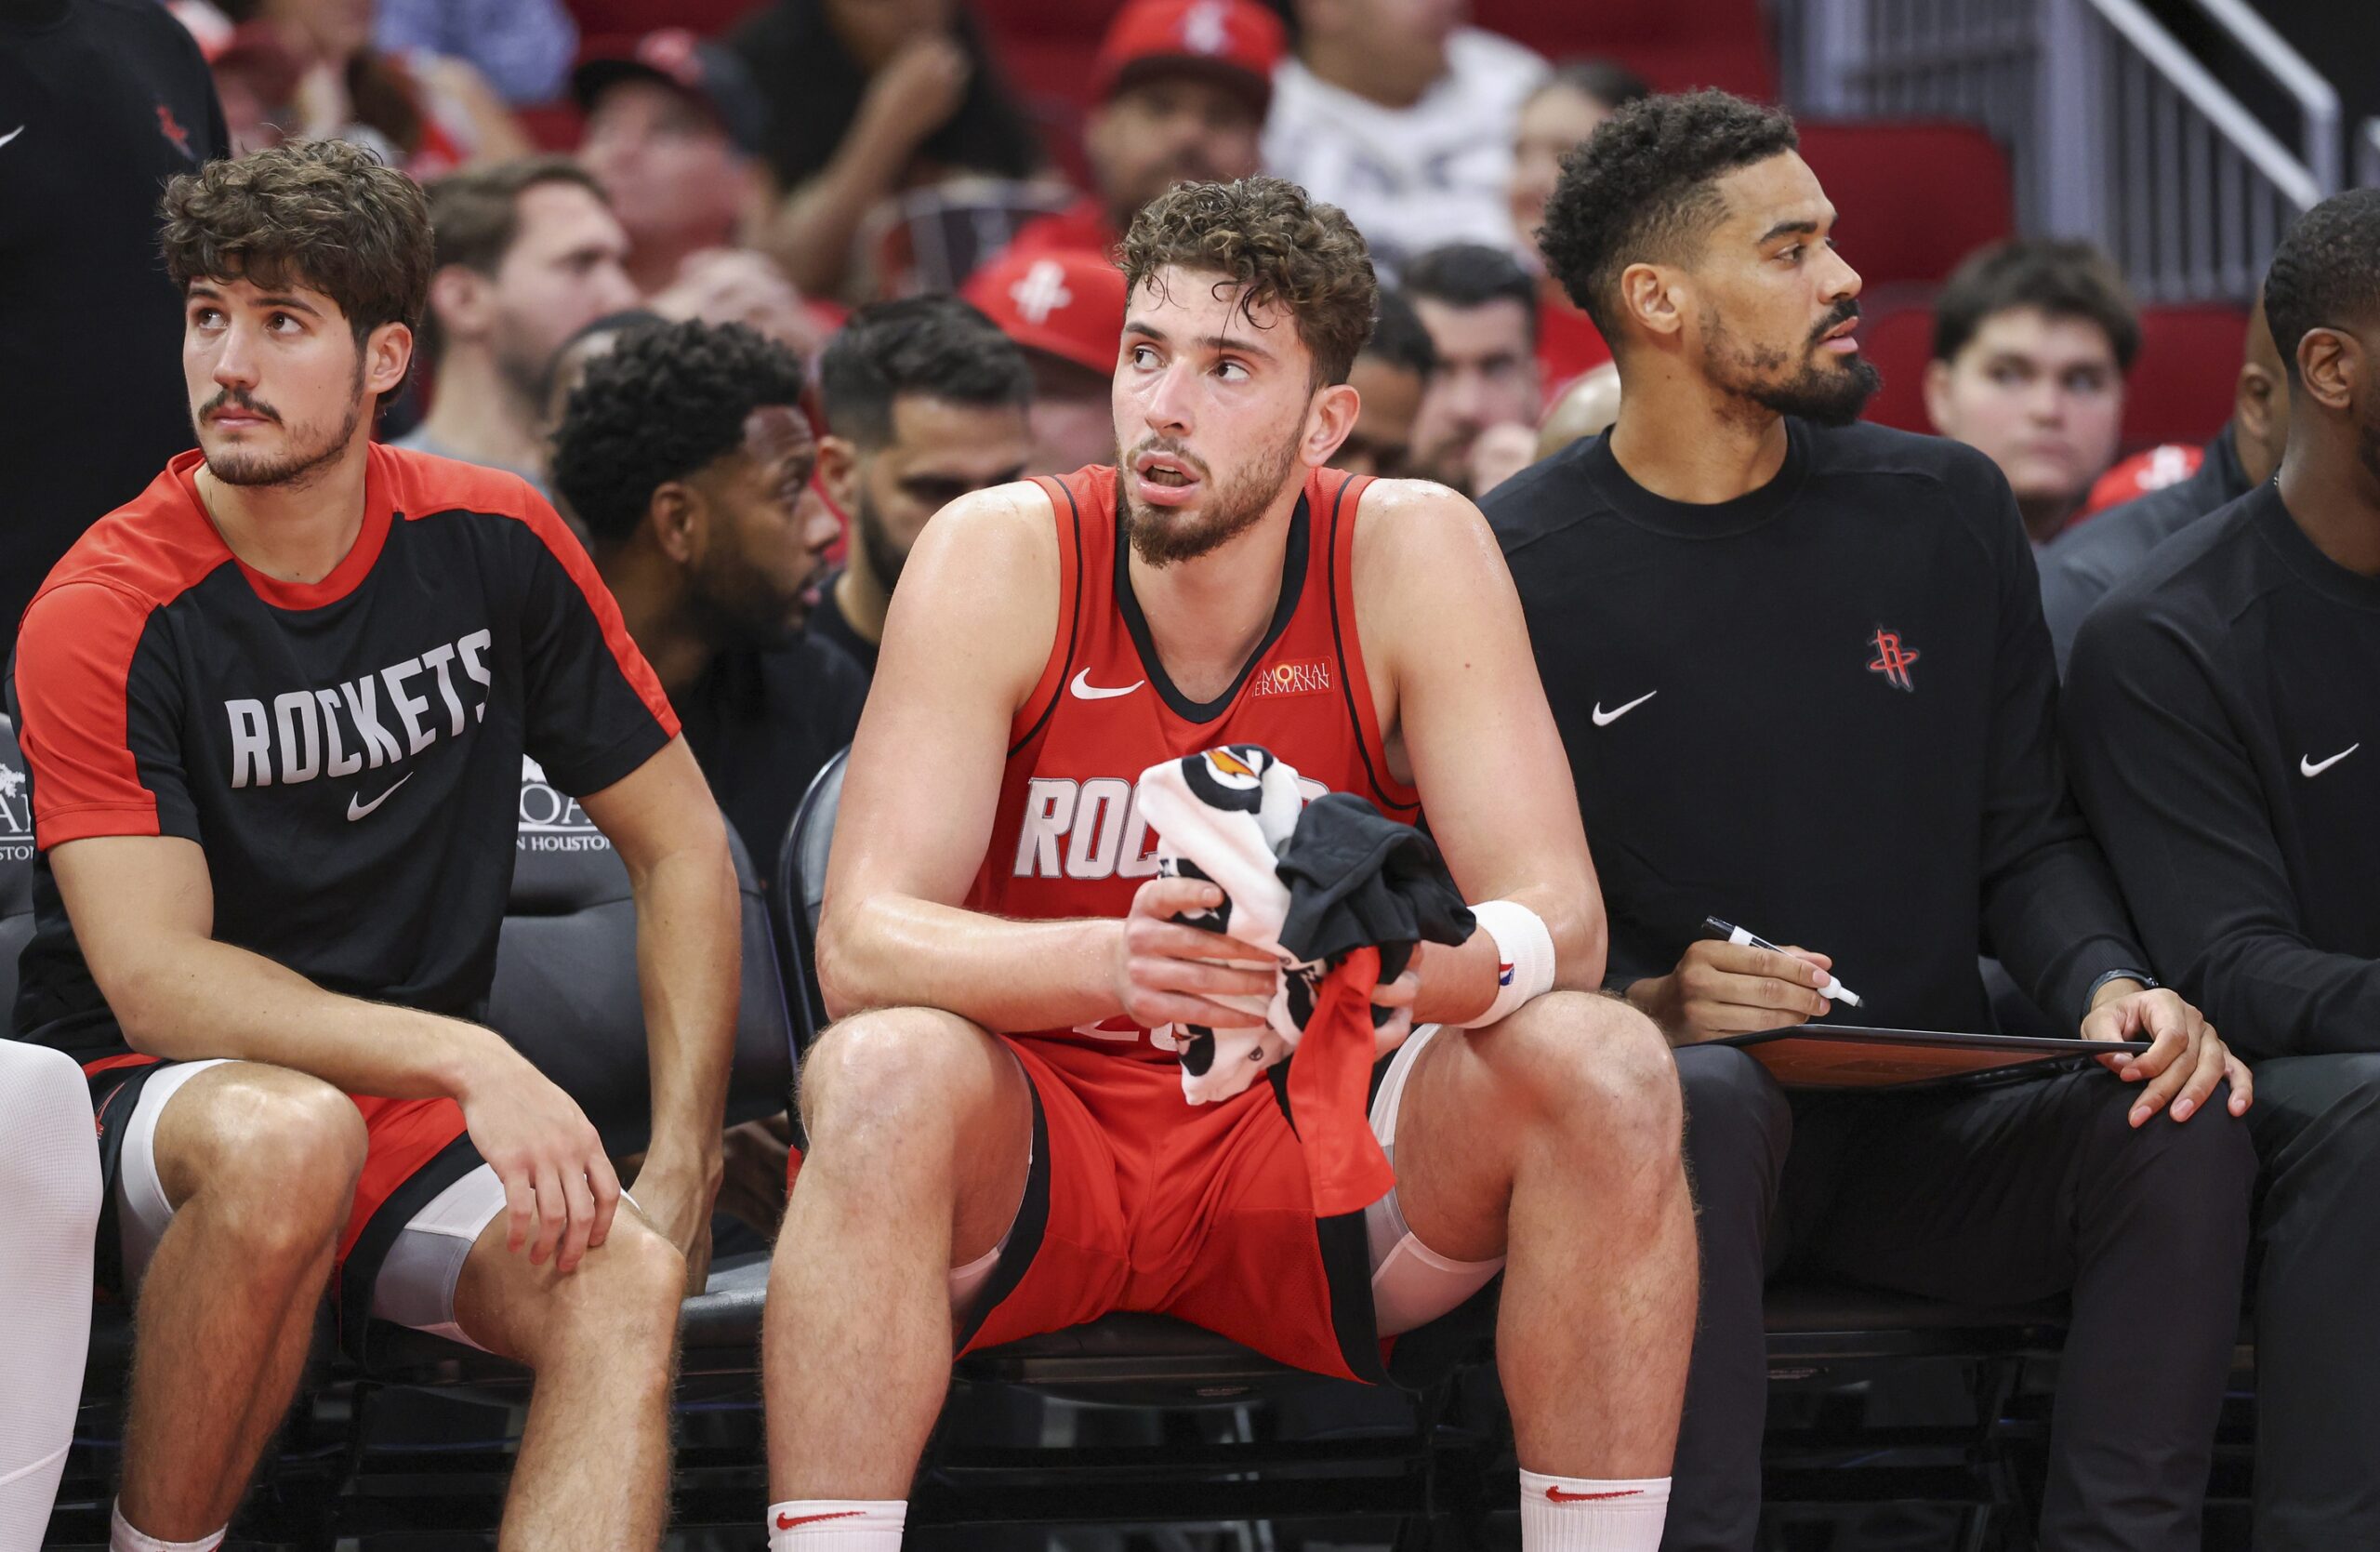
(1066, 841)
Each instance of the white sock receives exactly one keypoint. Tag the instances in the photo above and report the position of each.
(122, 1537)
(1575, 1513)
(837, 1525)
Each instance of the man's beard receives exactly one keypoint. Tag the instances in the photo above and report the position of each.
(1161, 536)
(1827, 395)
(734, 608)
(234, 467)
(884, 560)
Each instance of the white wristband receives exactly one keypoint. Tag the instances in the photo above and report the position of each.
(1524, 955)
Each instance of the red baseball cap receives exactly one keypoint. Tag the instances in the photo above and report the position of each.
(1236, 42)
(1066, 302)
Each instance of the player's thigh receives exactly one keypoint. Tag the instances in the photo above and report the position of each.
(249, 1127)
(923, 1095)
(1584, 1077)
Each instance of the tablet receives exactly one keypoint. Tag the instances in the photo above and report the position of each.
(1814, 1057)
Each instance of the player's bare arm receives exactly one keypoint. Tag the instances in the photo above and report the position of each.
(143, 909)
(662, 821)
(970, 632)
(1466, 722)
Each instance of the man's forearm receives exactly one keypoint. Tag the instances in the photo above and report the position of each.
(204, 999)
(899, 951)
(689, 950)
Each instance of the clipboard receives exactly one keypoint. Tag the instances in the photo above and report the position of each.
(1814, 1057)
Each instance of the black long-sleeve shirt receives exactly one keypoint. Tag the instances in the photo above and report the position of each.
(2223, 711)
(1825, 711)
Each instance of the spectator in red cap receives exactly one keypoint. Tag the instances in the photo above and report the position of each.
(868, 99)
(1182, 87)
(1065, 307)
(674, 130)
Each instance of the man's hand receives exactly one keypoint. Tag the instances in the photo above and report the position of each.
(558, 1185)
(1163, 973)
(2185, 1058)
(1728, 989)
(675, 1195)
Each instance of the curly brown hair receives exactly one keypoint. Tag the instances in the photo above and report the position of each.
(1265, 236)
(325, 214)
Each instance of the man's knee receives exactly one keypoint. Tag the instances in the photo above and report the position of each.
(875, 1074)
(276, 1154)
(629, 1287)
(2192, 1167)
(1597, 1072)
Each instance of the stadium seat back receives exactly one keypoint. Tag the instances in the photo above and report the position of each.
(1898, 339)
(2182, 386)
(567, 992)
(799, 891)
(16, 864)
(1913, 198)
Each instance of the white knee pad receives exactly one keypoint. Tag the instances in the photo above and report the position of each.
(49, 1213)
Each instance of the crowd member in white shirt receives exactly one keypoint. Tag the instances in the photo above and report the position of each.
(1402, 117)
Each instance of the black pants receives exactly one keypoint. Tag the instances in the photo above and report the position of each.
(2001, 1194)
(2317, 1126)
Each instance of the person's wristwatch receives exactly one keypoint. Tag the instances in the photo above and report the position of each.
(2148, 983)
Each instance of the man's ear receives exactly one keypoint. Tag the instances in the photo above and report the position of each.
(1655, 296)
(388, 351)
(1328, 423)
(2254, 403)
(676, 513)
(839, 471)
(2332, 367)
(1937, 396)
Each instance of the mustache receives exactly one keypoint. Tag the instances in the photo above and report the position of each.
(1847, 311)
(237, 396)
(1171, 449)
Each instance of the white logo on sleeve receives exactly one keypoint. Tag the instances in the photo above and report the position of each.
(2308, 765)
(1085, 690)
(1605, 719)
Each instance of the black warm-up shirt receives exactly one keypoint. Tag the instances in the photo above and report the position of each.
(2223, 713)
(1826, 712)
(348, 753)
(762, 725)
(100, 103)
(2084, 563)
(827, 624)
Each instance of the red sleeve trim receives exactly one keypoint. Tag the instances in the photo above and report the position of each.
(1346, 503)
(563, 545)
(1066, 513)
(74, 657)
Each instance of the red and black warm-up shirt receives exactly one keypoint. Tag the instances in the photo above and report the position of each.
(348, 752)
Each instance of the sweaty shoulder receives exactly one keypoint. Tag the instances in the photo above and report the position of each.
(1415, 528)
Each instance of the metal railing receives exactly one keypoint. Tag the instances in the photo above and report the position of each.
(2115, 131)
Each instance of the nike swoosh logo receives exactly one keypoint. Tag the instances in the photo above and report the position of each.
(785, 1523)
(1605, 719)
(2306, 766)
(357, 808)
(1561, 1497)
(12, 134)
(1085, 690)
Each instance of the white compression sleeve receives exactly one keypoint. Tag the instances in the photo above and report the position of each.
(50, 1211)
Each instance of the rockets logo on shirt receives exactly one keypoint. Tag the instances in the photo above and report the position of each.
(372, 719)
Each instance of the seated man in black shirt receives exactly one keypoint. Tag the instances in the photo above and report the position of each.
(2082, 564)
(2222, 722)
(926, 400)
(687, 456)
(276, 710)
(1800, 673)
